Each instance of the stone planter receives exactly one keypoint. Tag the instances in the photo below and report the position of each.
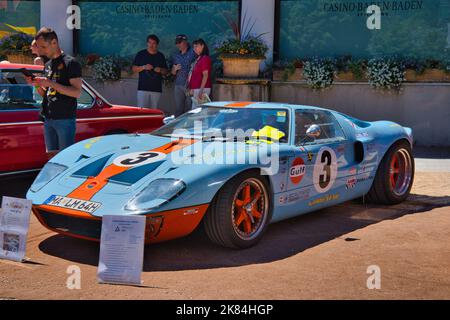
(347, 77)
(20, 58)
(241, 67)
(280, 75)
(430, 75)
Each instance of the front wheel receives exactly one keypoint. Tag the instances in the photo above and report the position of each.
(240, 212)
(395, 176)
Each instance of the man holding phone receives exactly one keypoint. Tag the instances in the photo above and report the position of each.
(60, 88)
(151, 66)
(182, 62)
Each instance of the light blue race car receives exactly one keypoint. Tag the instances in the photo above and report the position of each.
(235, 166)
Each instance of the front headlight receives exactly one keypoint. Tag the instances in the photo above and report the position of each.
(47, 174)
(156, 194)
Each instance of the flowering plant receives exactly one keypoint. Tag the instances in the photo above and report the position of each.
(106, 68)
(319, 73)
(385, 73)
(250, 47)
(244, 43)
(92, 58)
(16, 43)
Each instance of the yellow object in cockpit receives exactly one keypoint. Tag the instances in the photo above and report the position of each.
(267, 134)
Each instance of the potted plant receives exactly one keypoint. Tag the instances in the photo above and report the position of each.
(87, 63)
(349, 69)
(385, 73)
(242, 54)
(319, 73)
(291, 71)
(425, 71)
(106, 69)
(17, 48)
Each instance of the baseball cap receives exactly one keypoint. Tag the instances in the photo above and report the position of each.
(180, 37)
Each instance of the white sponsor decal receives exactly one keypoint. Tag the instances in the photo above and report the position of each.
(351, 183)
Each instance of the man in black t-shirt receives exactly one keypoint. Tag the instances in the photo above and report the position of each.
(151, 66)
(60, 88)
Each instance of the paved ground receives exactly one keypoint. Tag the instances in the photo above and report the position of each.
(324, 255)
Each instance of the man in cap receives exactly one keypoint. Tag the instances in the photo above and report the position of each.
(182, 62)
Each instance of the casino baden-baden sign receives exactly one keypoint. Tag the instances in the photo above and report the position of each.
(374, 10)
(121, 27)
(156, 10)
(386, 7)
(416, 29)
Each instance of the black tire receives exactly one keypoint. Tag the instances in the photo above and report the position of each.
(220, 221)
(387, 191)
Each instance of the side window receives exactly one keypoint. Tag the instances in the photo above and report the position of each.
(85, 101)
(330, 130)
(15, 93)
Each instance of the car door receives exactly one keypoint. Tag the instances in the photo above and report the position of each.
(319, 167)
(21, 133)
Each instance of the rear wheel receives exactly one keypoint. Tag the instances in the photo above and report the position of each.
(240, 212)
(394, 177)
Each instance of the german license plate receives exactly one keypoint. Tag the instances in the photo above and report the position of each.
(74, 204)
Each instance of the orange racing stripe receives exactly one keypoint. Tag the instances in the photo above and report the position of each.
(239, 104)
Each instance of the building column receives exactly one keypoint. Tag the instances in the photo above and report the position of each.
(262, 12)
(53, 15)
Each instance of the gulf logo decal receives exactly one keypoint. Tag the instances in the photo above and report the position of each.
(297, 171)
(123, 163)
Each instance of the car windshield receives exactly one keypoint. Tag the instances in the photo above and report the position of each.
(221, 123)
(15, 93)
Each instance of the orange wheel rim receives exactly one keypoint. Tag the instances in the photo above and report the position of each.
(249, 209)
(394, 171)
(400, 172)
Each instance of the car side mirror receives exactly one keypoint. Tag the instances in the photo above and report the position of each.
(168, 120)
(313, 131)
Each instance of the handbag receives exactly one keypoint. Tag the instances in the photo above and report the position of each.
(188, 90)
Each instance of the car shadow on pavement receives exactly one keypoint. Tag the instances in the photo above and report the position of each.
(282, 239)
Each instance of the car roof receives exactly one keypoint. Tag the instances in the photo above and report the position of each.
(259, 105)
(14, 66)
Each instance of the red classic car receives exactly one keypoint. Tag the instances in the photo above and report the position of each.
(22, 146)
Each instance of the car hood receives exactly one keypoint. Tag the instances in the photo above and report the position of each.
(123, 165)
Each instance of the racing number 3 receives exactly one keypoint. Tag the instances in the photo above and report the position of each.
(324, 179)
(139, 158)
(325, 170)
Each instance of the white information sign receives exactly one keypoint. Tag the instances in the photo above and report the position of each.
(121, 250)
(14, 225)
